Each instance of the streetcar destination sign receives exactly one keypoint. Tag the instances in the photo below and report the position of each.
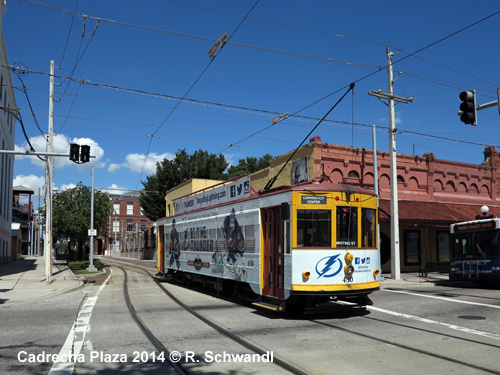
(310, 199)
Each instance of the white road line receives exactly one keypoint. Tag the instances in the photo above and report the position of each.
(424, 320)
(68, 355)
(443, 298)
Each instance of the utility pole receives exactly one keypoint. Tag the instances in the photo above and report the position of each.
(48, 180)
(395, 255)
(375, 187)
(92, 233)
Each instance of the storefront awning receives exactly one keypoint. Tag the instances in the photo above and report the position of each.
(434, 212)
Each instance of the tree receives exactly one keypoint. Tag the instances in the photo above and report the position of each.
(71, 214)
(170, 173)
(250, 165)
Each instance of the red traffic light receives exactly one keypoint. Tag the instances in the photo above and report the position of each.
(468, 110)
(466, 96)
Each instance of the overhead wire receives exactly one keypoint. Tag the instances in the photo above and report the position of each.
(193, 84)
(233, 107)
(69, 34)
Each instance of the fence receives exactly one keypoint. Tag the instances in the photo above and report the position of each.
(138, 245)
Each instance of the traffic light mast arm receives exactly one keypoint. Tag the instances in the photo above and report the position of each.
(32, 153)
(486, 105)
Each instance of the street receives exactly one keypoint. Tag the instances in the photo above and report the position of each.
(411, 329)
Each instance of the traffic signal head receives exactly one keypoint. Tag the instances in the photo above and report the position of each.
(85, 155)
(468, 113)
(74, 152)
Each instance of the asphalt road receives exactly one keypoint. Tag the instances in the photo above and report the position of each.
(409, 330)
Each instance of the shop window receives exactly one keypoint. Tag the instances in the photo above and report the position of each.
(443, 247)
(412, 247)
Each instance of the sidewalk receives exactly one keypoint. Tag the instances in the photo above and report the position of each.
(413, 279)
(25, 280)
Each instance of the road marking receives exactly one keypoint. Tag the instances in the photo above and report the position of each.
(76, 337)
(425, 320)
(442, 298)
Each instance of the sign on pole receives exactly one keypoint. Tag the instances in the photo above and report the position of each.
(220, 43)
(92, 232)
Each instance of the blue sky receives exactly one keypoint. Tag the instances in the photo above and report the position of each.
(285, 56)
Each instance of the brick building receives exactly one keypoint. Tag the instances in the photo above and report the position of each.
(432, 193)
(125, 219)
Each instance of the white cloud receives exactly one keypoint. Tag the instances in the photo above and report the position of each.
(113, 167)
(61, 146)
(115, 189)
(67, 186)
(135, 162)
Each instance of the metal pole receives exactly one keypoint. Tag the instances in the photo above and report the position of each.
(375, 187)
(48, 184)
(91, 264)
(395, 256)
(38, 222)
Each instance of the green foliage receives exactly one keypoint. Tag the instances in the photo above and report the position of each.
(71, 213)
(249, 165)
(83, 265)
(170, 173)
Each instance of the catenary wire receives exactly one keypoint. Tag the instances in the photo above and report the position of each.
(192, 85)
(195, 101)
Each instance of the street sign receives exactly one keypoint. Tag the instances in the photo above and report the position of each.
(220, 43)
(92, 232)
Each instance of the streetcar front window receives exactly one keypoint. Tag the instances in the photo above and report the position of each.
(314, 228)
(347, 226)
(368, 227)
(478, 244)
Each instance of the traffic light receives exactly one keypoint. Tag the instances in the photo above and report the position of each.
(74, 152)
(468, 112)
(85, 154)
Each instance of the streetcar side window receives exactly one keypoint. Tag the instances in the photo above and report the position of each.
(314, 228)
(347, 226)
(368, 228)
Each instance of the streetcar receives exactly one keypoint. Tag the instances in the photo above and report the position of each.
(475, 249)
(289, 247)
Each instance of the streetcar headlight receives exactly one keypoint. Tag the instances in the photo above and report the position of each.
(348, 270)
(495, 268)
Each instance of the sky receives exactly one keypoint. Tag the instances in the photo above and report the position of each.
(136, 82)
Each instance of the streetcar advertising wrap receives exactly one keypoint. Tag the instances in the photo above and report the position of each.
(332, 269)
(221, 245)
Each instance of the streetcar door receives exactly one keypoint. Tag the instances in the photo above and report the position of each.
(161, 251)
(273, 254)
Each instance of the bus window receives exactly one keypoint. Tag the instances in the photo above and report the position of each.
(314, 228)
(347, 226)
(368, 228)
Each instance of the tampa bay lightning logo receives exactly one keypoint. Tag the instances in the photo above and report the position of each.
(329, 266)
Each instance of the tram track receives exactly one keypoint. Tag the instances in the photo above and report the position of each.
(178, 367)
(415, 349)
(283, 364)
